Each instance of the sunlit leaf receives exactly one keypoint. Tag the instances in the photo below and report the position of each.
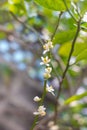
(76, 97)
(82, 6)
(82, 55)
(79, 50)
(53, 4)
(64, 36)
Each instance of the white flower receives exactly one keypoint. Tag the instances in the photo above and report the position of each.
(45, 61)
(40, 111)
(50, 44)
(48, 70)
(37, 99)
(47, 47)
(47, 75)
(50, 89)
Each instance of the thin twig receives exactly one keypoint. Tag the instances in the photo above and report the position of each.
(66, 69)
(69, 11)
(55, 72)
(52, 37)
(57, 25)
(62, 66)
(34, 122)
(72, 49)
(44, 92)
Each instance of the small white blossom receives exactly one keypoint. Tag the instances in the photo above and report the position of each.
(47, 47)
(37, 99)
(50, 44)
(50, 89)
(48, 70)
(45, 61)
(40, 111)
(47, 75)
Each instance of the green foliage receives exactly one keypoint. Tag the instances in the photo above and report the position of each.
(83, 6)
(57, 5)
(82, 55)
(75, 97)
(17, 7)
(64, 36)
(80, 50)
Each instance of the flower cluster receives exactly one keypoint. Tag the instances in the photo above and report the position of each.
(46, 61)
(47, 74)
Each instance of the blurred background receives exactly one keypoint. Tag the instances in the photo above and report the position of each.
(23, 26)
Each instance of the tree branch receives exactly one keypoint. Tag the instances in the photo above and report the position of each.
(66, 69)
(70, 54)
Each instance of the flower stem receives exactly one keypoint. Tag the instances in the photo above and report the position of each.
(34, 122)
(44, 93)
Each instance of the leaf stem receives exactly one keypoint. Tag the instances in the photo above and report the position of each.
(69, 11)
(57, 25)
(34, 122)
(44, 93)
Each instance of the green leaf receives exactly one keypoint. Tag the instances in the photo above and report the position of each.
(75, 97)
(64, 49)
(82, 55)
(17, 1)
(79, 107)
(53, 4)
(83, 6)
(64, 36)
(80, 50)
(17, 6)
